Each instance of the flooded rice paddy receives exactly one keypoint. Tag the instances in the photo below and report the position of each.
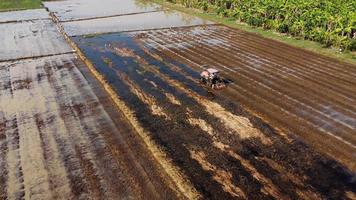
(153, 20)
(58, 142)
(75, 10)
(31, 39)
(128, 119)
(23, 15)
(60, 135)
(225, 151)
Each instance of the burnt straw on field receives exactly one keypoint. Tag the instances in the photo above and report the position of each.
(142, 81)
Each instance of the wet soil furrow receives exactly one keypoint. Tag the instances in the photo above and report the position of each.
(215, 128)
(229, 52)
(348, 116)
(73, 111)
(59, 183)
(54, 134)
(15, 186)
(166, 84)
(315, 97)
(248, 79)
(266, 61)
(3, 152)
(192, 132)
(289, 52)
(77, 179)
(35, 176)
(224, 66)
(163, 132)
(287, 122)
(297, 69)
(216, 31)
(285, 154)
(5, 89)
(104, 152)
(299, 76)
(251, 168)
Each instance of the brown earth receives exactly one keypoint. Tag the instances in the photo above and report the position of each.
(225, 151)
(61, 139)
(292, 89)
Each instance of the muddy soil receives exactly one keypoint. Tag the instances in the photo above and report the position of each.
(292, 89)
(224, 150)
(30, 39)
(83, 9)
(58, 142)
(23, 15)
(153, 20)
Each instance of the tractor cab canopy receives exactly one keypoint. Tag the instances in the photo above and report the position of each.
(209, 73)
(212, 71)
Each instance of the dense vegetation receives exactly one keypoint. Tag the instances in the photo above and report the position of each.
(330, 22)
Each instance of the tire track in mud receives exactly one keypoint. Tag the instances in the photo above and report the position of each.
(13, 174)
(96, 156)
(73, 159)
(148, 76)
(29, 105)
(3, 151)
(5, 88)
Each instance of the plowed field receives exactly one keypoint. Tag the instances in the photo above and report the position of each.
(58, 142)
(224, 150)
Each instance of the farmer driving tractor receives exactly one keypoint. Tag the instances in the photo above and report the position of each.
(211, 78)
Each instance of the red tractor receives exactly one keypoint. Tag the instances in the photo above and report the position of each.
(211, 78)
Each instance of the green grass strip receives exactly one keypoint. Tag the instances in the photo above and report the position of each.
(8, 5)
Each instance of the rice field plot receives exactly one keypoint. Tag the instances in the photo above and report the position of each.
(57, 140)
(225, 151)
